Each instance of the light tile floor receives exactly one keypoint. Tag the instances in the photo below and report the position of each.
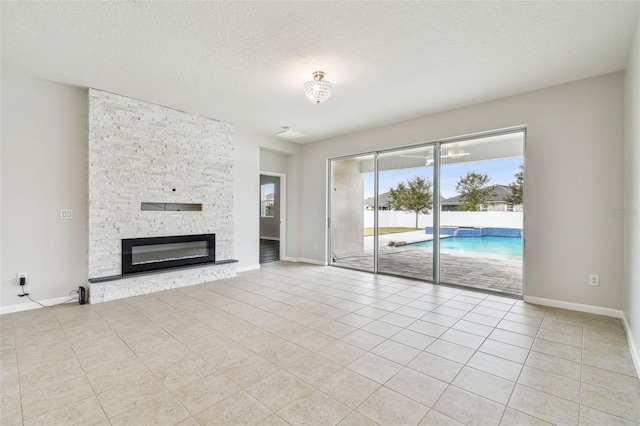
(295, 343)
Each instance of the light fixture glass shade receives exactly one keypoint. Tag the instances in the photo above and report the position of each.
(318, 90)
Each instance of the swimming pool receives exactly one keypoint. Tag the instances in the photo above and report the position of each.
(488, 245)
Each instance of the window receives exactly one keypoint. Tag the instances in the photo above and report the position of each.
(467, 179)
(267, 192)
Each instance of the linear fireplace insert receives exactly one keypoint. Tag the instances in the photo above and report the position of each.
(148, 254)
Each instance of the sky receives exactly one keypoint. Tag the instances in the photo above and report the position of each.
(500, 171)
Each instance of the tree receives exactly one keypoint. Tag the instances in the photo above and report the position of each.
(415, 196)
(515, 198)
(474, 191)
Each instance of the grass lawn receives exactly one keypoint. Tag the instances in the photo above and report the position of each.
(368, 232)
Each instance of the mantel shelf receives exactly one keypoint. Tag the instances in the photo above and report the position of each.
(160, 271)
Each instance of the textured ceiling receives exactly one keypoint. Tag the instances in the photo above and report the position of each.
(246, 62)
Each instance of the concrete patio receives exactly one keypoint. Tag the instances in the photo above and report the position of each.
(495, 273)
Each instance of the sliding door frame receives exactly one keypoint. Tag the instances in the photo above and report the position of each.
(436, 144)
(435, 248)
(329, 222)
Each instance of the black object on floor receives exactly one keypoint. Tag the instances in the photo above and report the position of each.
(269, 251)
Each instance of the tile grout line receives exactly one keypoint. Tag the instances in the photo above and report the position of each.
(325, 298)
(84, 372)
(147, 367)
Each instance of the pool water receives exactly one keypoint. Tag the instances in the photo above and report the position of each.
(488, 245)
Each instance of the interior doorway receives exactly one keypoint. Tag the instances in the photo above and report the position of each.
(272, 216)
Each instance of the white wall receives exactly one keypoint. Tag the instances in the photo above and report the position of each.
(574, 174)
(246, 194)
(44, 157)
(631, 213)
(271, 161)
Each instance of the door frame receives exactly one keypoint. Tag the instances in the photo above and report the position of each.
(283, 209)
(437, 143)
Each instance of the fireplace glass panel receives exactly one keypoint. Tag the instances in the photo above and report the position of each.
(168, 252)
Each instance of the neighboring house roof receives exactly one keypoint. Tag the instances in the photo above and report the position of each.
(383, 199)
(500, 192)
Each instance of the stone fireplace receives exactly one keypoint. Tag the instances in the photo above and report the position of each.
(141, 155)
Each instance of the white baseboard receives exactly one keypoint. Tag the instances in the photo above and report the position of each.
(247, 268)
(312, 261)
(31, 305)
(270, 238)
(304, 260)
(598, 310)
(635, 350)
(615, 313)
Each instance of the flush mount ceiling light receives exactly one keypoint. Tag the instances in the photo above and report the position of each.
(318, 90)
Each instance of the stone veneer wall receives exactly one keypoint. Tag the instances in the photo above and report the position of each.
(142, 152)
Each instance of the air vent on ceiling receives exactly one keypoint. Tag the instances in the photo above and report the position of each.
(289, 133)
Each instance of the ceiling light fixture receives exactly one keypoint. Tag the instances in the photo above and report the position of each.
(318, 90)
(456, 153)
(452, 153)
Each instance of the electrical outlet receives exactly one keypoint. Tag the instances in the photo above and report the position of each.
(66, 214)
(315, 246)
(23, 275)
(594, 280)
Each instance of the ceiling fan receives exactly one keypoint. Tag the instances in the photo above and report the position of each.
(453, 153)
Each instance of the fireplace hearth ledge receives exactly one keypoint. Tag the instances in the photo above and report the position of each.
(159, 271)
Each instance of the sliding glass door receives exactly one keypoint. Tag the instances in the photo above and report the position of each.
(351, 234)
(481, 218)
(447, 212)
(405, 207)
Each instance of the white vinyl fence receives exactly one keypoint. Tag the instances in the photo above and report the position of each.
(392, 218)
